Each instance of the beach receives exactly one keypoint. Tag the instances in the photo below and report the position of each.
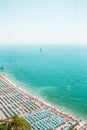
(40, 105)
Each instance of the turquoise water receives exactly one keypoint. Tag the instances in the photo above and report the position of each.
(57, 74)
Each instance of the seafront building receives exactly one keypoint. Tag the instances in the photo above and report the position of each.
(14, 100)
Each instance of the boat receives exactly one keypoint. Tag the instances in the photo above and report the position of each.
(40, 49)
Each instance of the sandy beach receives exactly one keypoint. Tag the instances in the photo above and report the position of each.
(42, 104)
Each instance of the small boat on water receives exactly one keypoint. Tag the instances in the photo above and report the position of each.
(40, 49)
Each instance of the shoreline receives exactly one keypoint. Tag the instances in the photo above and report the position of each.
(60, 111)
(44, 105)
(59, 108)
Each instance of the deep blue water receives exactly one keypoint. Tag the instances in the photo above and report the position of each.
(57, 74)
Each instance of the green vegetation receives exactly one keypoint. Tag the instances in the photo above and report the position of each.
(17, 123)
(50, 129)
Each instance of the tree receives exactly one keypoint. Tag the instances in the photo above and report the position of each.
(20, 123)
(17, 123)
(3, 126)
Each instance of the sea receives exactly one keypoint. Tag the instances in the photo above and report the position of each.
(56, 74)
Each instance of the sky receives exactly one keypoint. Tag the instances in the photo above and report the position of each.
(43, 21)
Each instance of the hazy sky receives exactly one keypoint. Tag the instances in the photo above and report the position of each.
(43, 21)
